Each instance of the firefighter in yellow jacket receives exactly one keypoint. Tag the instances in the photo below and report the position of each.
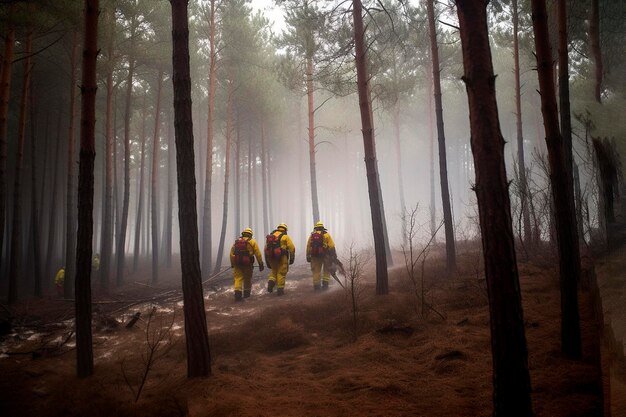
(242, 255)
(279, 254)
(320, 250)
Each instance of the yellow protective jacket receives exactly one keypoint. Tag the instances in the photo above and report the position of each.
(253, 250)
(59, 278)
(329, 244)
(286, 244)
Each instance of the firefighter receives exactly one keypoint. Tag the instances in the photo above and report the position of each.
(95, 262)
(242, 255)
(59, 279)
(320, 251)
(279, 254)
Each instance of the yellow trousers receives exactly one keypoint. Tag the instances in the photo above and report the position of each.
(317, 265)
(243, 275)
(280, 267)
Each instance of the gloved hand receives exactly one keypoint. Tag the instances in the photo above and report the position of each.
(292, 258)
(308, 258)
(261, 267)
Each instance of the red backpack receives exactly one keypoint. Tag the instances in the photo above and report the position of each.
(241, 252)
(272, 245)
(317, 244)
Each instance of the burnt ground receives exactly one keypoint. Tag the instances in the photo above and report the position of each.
(295, 355)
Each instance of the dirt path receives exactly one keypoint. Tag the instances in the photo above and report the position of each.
(295, 356)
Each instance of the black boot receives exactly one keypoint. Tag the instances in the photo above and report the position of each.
(238, 295)
(316, 287)
(270, 285)
(246, 293)
(325, 285)
(280, 291)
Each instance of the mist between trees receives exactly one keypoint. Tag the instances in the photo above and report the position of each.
(278, 133)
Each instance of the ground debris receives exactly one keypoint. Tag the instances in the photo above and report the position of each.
(451, 354)
(396, 328)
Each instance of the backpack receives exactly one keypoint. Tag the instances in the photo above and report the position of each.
(241, 252)
(317, 244)
(272, 245)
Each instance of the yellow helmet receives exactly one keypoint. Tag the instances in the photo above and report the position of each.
(247, 231)
(319, 225)
(282, 226)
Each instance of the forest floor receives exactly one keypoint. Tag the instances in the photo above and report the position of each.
(295, 355)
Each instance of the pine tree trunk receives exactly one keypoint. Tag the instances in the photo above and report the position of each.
(207, 241)
(301, 173)
(51, 251)
(369, 145)
(156, 146)
(562, 188)
(237, 166)
(521, 160)
(258, 208)
(431, 157)
(564, 105)
(229, 138)
(167, 244)
(107, 221)
(89, 87)
(121, 241)
(596, 50)
(15, 270)
(441, 139)
(70, 218)
(250, 185)
(34, 210)
(508, 341)
(141, 187)
(311, 116)
(196, 335)
(264, 179)
(396, 134)
(5, 93)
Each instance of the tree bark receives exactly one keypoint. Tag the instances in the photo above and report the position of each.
(5, 93)
(107, 221)
(89, 87)
(521, 160)
(238, 168)
(52, 219)
(15, 270)
(250, 185)
(264, 179)
(196, 334)
(431, 158)
(562, 188)
(311, 116)
(121, 241)
(141, 187)
(156, 147)
(396, 134)
(207, 240)
(441, 139)
(369, 145)
(34, 204)
(596, 50)
(508, 341)
(70, 218)
(229, 138)
(167, 244)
